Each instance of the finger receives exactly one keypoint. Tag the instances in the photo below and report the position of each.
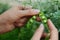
(53, 30)
(22, 21)
(51, 25)
(38, 33)
(18, 24)
(30, 12)
(14, 14)
(27, 13)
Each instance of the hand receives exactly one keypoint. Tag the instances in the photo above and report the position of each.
(15, 16)
(39, 33)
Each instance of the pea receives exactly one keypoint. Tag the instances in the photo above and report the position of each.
(44, 21)
(31, 20)
(43, 17)
(34, 17)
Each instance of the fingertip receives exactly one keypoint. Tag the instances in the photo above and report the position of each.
(49, 20)
(37, 35)
(36, 11)
(42, 26)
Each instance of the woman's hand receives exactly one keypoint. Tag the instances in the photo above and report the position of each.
(40, 32)
(15, 16)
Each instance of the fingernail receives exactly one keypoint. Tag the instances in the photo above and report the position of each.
(41, 26)
(36, 11)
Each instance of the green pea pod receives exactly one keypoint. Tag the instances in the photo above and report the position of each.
(44, 21)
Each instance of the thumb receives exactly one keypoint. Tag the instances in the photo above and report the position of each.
(29, 12)
(38, 33)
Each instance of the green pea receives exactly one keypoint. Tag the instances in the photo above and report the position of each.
(44, 21)
(34, 17)
(43, 17)
(31, 20)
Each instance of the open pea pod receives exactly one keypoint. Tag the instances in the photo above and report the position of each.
(44, 21)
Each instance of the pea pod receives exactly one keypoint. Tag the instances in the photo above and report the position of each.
(44, 20)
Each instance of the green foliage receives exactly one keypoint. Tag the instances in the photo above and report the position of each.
(13, 35)
(3, 7)
(51, 10)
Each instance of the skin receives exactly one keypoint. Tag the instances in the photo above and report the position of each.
(18, 16)
(15, 16)
(40, 32)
